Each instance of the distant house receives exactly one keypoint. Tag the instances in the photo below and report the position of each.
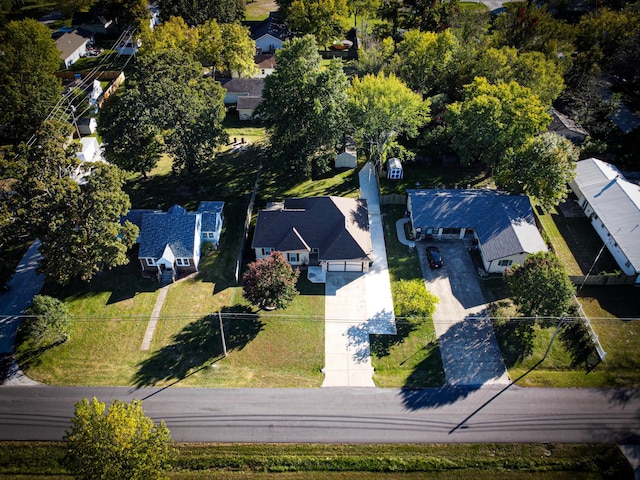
(246, 107)
(242, 87)
(94, 21)
(613, 205)
(265, 63)
(503, 225)
(128, 45)
(269, 34)
(394, 169)
(347, 156)
(331, 232)
(72, 46)
(566, 127)
(170, 242)
(87, 125)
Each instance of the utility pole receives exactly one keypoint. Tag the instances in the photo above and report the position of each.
(224, 343)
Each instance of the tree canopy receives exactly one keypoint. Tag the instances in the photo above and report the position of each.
(47, 322)
(77, 222)
(381, 107)
(303, 106)
(197, 12)
(270, 282)
(541, 169)
(325, 19)
(493, 119)
(540, 287)
(28, 88)
(120, 442)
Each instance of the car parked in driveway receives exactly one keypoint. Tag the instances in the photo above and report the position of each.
(434, 257)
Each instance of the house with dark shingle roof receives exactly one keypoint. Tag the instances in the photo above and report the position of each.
(242, 87)
(502, 224)
(170, 242)
(72, 46)
(270, 33)
(330, 232)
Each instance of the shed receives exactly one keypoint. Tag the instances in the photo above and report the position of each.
(347, 157)
(394, 169)
(87, 125)
(246, 107)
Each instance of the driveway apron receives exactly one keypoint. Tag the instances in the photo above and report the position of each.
(468, 346)
(357, 305)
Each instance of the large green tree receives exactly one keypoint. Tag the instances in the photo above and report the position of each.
(78, 222)
(540, 287)
(494, 119)
(129, 13)
(28, 88)
(303, 106)
(541, 169)
(197, 12)
(325, 19)
(119, 442)
(47, 321)
(381, 107)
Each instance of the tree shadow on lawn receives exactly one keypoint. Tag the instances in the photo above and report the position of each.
(197, 345)
(27, 353)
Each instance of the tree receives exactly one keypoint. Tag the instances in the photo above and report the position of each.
(432, 15)
(28, 88)
(324, 19)
(541, 286)
(303, 105)
(171, 34)
(129, 13)
(197, 12)
(69, 7)
(78, 224)
(270, 282)
(494, 119)
(48, 320)
(411, 299)
(383, 107)
(541, 169)
(362, 8)
(118, 443)
(238, 50)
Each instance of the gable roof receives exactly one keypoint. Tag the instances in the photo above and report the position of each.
(272, 25)
(265, 60)
(69, 42)
(615, 200)
(210, 211)
(251, 86)
(174, 229)
(338, 227)
(504, 223)
(248, 103)
(563, 122)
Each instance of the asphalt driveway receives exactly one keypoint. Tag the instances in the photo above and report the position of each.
(470, 352)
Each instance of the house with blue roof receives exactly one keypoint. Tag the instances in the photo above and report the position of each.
(503, 225)
(269, 34)
(170, 242)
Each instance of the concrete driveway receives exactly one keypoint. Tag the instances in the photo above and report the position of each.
(470, 352)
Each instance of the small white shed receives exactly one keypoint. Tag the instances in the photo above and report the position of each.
(394, 169)
(347, 156)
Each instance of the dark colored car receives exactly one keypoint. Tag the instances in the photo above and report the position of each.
(435, 259)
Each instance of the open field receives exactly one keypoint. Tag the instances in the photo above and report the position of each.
(21, 460)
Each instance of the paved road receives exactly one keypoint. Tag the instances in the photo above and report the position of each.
(336, 415)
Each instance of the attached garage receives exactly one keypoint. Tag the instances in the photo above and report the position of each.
(346, 266)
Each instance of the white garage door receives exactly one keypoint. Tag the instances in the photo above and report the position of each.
(344, 266)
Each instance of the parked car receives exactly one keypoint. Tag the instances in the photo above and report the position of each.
(435, 259)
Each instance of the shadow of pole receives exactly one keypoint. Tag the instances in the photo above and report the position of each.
(513, 382)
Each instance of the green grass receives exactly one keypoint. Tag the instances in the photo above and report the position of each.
(259, 9)
(435, 176)
(352, 462)
(411, 358)
(474, 7)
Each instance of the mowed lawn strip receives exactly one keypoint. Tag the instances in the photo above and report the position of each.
(349, 462)
(412, 357)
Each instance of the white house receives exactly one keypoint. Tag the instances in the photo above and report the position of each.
(91, 151)
(613, 205)
(72, 46)
(269, 34)
(502, 224)
(242, 87)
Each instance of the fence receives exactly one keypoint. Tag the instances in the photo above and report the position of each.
(592, 334)
(611, 279)
(247, 222)
(393, 199)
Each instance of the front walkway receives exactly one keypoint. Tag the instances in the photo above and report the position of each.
(357, 305)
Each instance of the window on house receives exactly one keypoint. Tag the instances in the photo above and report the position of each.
(315, 250)
(151, 262)
(293, 257)
(505, 263)
(182, 262)
(266, 251)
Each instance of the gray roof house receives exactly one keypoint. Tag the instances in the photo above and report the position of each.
(330, 232)
(170, 242)
(613, 204)
(72, 46)
(270, 33)
(503, 224)
(242, 87)
(566, 127)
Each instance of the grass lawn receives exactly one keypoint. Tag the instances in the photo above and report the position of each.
(19, 460)
(259, 9)
(474, 7)
(412, 357)
(435, 176)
